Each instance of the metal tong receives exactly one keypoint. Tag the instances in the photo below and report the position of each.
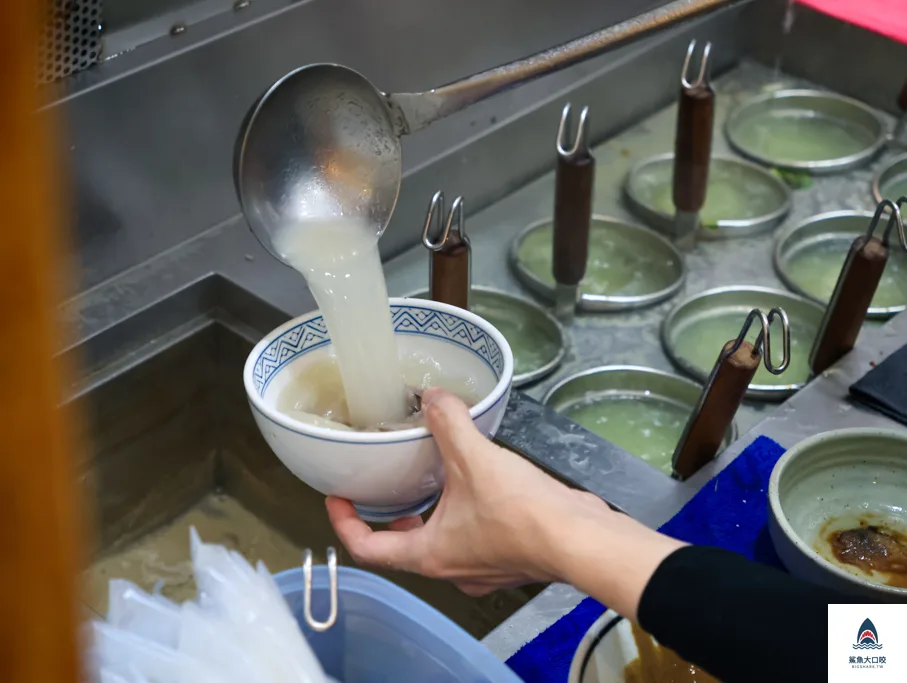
(725, 390)
(573, 183)
(313, 623)
(450, 267)
(692, 147)
(857, 284)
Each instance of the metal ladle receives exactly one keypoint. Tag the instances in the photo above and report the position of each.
(323, 141)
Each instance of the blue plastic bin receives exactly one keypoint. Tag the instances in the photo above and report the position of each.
(385, 635)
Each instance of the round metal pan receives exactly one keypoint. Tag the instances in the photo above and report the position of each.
(523, 324)
(742, 200)
(694, 333)
(891, 183)
(806, 130)
(809, 257)
(631, 383)
(636, 266)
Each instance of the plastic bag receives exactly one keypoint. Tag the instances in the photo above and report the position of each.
(239, 630)
(150, 616)
(249, 598)
(119, 652)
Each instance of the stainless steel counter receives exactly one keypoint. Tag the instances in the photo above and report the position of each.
(615, 338)
(112, 323)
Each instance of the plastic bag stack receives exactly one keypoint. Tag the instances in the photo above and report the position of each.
(238, 630)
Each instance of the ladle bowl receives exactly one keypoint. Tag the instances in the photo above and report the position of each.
(387, 475)
(319, 143)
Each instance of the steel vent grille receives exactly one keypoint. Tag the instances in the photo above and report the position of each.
(70, 40)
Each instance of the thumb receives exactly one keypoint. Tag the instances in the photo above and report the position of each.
(451, 424)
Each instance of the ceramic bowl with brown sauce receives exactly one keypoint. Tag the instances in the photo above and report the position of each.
(838, 511)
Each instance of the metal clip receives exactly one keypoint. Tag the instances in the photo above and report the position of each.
(437, 208)
(894, 220)
(580, 146)
(724, 390)
(307, 592)
(764, 338)
(900, 225)
(703, 77)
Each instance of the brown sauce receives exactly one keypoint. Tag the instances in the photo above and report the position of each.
(872, 548)
(657, 664)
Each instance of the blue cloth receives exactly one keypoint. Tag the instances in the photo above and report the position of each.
(729, 512)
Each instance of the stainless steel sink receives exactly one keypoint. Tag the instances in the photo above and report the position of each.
(173, 443)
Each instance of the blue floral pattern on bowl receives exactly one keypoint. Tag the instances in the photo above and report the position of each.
(407, 319)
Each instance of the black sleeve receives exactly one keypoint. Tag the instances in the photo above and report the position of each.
(738, 619)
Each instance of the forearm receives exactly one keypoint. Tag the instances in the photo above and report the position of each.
(721, 611)
(608, 556)
(714, 608)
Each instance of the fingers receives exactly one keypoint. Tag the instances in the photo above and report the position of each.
(407, 524)
(477, 588)
(451, 424)
(373, 548)
(474, 590)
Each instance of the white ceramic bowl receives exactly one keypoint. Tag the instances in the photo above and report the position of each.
(605, 651)
(831, 482)
(387, 475)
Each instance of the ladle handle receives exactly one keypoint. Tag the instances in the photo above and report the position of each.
(450, 278)
(693, 147)
(418, 110)
(718, 404)
(849, 303)
(573, 185)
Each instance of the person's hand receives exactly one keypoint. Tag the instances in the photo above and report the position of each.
(498, 521)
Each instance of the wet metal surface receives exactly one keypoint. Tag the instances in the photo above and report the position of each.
(633, 337)
(169, 296)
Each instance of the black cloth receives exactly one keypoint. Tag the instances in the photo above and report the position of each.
(885, 387)
(739, 620)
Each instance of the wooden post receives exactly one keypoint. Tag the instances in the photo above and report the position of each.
(39, 514)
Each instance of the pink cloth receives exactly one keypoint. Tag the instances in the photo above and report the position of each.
(887, 17)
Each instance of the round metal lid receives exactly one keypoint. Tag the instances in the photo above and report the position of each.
(742, 200)
(806, 130)
(809, 256)
(590, 394)
(628, 267)
(891, 182)
(694, 333)
(536, 338)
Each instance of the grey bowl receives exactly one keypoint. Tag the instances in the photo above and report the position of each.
(831, 482)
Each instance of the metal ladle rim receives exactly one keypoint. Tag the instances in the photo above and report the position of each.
(240, 151)
(597, 303)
